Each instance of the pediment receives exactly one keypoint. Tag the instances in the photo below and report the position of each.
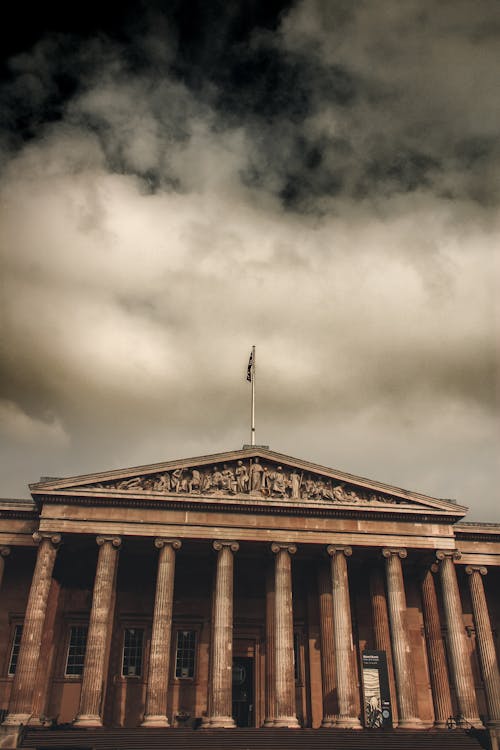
(250, 474)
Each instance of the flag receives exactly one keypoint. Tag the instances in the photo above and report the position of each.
(250, 368)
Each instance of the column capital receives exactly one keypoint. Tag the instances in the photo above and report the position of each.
(332, 549)
(470, 569)
(278, 546)
(220, 543)
(116, 541)
(160, 542)
(4, 551)
(401, 552)
(452, 554)
(38, 536)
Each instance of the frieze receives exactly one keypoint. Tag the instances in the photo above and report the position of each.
(251, 478)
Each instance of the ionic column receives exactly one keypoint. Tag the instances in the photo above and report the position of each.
(327, 647)
(486, 645)
(21, 697)
(435, 648)
(4, 552)
(342, 633)
(381, 629)
(270, 646)
(220, 703)
(401, 650)
(159, 657)
(286, 714)
(94, 667)
(460, 667)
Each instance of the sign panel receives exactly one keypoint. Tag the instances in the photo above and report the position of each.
(377, 698)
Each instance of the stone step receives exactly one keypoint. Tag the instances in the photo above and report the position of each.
(248, 739)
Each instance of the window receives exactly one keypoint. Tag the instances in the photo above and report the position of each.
(76, 650)
(185, 653)
(14, 652)
(133, 640)
(296, 655)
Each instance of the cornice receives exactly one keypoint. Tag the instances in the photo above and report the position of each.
(218, 504)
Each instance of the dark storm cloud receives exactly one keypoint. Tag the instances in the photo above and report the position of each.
(317, 178)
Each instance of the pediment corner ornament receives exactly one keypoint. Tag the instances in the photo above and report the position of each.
(252, 478)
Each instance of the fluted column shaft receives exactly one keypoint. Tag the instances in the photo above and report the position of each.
(458, 651)
(270, 646)
(486, 645)
(286, 712)
(342, 633)
(401, 650)
(381, 629)
(220, 706)
(159, 657)
(4, 552)
(94, 668)
(21, 697)
(327, 647)
(437, 657)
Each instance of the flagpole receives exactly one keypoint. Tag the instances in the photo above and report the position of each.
(252, 434)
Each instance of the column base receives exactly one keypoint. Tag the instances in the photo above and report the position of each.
(286, 722)
(268, 723)
(15, 720)
(412, 723)
(153, 720)
(328, 722)
(476, 723)
(218, 722)
(440, 725)
(347, 722)
(88, 720)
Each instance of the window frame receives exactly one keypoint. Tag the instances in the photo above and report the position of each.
(16, 627)
(189, 628)
(298, 656)
(70, 628)
(138, 675)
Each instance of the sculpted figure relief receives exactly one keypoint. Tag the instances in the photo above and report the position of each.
(256, 475)
(249, 477)
(242, 477)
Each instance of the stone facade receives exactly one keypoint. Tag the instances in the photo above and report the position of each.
(245, 589)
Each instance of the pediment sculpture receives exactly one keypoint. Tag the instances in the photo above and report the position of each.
(251, 478)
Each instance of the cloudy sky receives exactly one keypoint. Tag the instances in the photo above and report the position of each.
(181, 180)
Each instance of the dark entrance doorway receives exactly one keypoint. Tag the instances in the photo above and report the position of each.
(243, 691)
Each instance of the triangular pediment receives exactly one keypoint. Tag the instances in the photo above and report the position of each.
(257, 474)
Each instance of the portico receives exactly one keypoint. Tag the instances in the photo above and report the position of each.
(215, 592)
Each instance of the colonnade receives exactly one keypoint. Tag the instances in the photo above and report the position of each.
(339, 682)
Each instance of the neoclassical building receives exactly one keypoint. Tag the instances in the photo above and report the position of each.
(245, 588)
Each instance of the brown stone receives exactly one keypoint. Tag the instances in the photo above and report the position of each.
(286, 712)
(437, 657)
(270, 688)
(219, 715)
(403, 666)
(458, 651)
(344, 649)
(381, 630)
(328, 679)
(94, 669)
(159, 657)
(21, 698)
(486, 644)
